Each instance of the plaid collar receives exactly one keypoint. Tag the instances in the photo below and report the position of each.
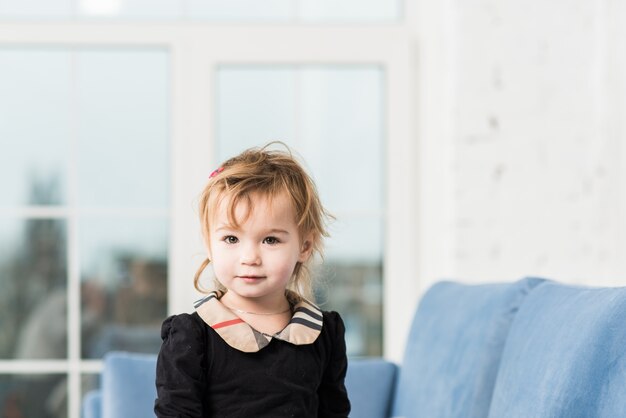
(303, 328)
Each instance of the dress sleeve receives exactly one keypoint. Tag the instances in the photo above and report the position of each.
(333, 397)
(180, 373)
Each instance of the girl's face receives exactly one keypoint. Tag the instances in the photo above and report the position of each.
(256, 260)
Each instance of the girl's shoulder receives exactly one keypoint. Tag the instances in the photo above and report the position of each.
(333, 324)
(331, 317)
(183, 326)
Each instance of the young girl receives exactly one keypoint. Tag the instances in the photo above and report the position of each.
(256, 346)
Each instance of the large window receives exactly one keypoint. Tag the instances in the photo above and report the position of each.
(84, 211)
(108, 132)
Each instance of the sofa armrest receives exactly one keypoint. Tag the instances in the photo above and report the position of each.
(92, 404)
(370, 384)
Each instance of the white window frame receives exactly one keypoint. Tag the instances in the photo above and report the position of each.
(387, 48)
(414, 254)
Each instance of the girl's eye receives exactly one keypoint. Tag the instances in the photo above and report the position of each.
(271, 240)
(230, 239)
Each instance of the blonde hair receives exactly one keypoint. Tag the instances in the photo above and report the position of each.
(269, 173)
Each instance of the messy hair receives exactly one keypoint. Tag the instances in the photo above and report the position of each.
(269, 173)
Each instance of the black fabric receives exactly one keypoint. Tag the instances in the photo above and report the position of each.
(199, 375)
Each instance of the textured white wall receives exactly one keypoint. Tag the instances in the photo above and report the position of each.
(538, 124)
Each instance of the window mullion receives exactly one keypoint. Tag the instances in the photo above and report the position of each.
(73, 285)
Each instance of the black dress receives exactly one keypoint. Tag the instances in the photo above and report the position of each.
(203, 369)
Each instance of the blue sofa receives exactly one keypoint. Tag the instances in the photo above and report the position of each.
(532, 348)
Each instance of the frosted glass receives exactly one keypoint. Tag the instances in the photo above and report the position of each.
(35, 126)
(123, 133)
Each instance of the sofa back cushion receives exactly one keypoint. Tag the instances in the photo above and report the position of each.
(128, 388)
(454, 349)
(565, 356)
(370, 384)
(92, 404)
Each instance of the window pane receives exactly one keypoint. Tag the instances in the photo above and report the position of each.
(34, 126)
(254, 104)
(33, 278)
(354, 289)
(355, 238)
(123, 115)
(33, 396)
(36, 9)
(333, 117)
(349, 10)
(89, 382)
(341, 117)
(241, 10)
(123, 284)
(210, 10)
(143, 9)
(351, 280)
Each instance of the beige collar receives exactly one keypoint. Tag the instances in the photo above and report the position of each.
(303, 328)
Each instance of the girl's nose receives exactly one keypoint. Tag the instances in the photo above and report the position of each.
(250, 255)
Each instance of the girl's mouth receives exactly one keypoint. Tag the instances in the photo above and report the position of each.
(251, 278)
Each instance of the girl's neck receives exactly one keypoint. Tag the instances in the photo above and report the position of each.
(266, 316)
(256, 306)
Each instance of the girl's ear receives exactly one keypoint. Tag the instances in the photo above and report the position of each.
(306, 248)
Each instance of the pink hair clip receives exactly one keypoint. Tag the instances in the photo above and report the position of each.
(216, 172)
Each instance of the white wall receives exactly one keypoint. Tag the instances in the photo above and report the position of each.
(530, 98)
